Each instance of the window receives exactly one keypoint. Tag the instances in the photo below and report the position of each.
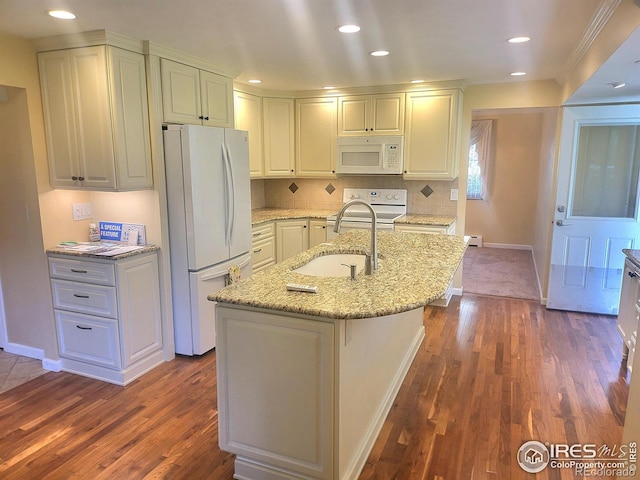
(479, 159)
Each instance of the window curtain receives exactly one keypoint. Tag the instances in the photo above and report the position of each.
(481, 136)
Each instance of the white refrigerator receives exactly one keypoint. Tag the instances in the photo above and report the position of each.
(209, 208)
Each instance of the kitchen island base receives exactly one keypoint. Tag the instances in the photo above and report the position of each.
(305, 397)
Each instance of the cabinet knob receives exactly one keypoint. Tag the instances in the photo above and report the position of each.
(201, 117)
(206, 118)
(81, 179)
(74, 178)
(632, 274)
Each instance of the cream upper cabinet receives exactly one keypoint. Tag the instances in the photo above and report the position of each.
(278, 128)
(371, 114)
(96, 118)
(432, 135)
(194, 96)
(316, 128)
(248, 114)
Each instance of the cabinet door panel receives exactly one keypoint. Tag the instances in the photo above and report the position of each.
(131, 120)
(93, 112)
(248, 116)
(316, 133)
(59, 117)
(387, 112)
(353, 115)
(217, 100)
(292, 237)
(432, 132)
(278, 128)
(180, 93)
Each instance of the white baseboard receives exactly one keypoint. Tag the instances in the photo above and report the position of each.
(24, 350)
(512, 246)
(31, 352)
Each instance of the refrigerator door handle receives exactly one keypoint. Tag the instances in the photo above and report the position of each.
(232, 195)
(228, 200)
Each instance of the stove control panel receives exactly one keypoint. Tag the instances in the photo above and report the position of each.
(380, 196)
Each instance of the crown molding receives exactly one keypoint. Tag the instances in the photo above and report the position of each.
(151, 48)
(598, 21)
(87, 39)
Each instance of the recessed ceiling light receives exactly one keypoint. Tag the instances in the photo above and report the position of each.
(348, 28)
(329, 87)
(417, 81)
(63, 14)
(517, 74)
(379, 53)
(519, 39)
(617, 84)
(255, 80)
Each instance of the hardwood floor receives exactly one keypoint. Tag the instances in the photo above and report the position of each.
(491, 374)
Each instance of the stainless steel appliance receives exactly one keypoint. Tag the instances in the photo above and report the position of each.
(208, 200)
(389, 205)
(371, 155)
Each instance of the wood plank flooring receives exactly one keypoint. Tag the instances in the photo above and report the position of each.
(491, 374)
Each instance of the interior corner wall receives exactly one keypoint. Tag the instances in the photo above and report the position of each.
(543, 227)
(508, 215)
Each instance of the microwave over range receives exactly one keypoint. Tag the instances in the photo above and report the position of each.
(371, 155)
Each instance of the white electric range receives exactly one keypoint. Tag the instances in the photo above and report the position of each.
(388, 203)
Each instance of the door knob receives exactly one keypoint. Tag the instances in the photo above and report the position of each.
(561, 208)
(561, 223)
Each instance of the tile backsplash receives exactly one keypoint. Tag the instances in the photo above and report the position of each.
(326, 194)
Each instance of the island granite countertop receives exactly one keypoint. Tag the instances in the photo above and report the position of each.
(414, 270)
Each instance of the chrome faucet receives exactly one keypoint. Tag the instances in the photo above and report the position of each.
(371, 260)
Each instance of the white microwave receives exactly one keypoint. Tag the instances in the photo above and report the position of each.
(372, 155)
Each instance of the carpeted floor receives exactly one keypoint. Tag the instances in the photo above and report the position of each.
(500, 272)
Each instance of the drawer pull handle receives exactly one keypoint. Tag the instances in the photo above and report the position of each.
(258, 250)
(77, 295)
(75, 270)
(83, 328)
(257, 234)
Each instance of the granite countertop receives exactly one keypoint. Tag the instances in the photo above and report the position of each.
(78, 254)
(414, 270)
(417, 219)
(263, 215)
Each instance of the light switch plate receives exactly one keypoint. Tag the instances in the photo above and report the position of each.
(454, 194)
(81, 211)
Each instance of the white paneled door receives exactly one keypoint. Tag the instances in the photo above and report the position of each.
(596, 210)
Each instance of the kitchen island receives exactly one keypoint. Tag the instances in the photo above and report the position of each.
(305, 380)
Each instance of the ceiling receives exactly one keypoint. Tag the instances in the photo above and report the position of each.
(294, 44)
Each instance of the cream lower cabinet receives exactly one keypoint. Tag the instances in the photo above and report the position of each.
(194, 96)
(432, 135)
(96, 118)
(317, 232)
(292, 237)
(263, 246)
(107, 315)
(419, 228)
(316, 127)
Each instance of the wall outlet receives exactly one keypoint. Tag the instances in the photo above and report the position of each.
(454, 194)
(81, 211)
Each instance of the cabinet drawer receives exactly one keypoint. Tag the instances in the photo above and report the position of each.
(263, 253)
(82, 271)
(88, 339)
(262, 231)
(85, 298)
